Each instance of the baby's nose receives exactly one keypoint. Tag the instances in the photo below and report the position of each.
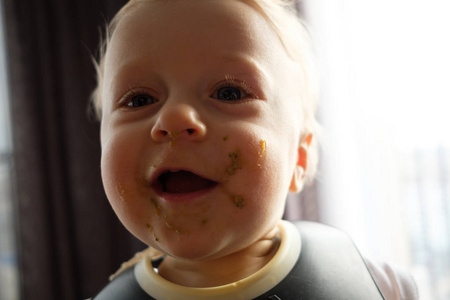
(180, 121)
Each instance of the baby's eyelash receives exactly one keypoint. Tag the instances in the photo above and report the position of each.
(134, 92)
(237, 83)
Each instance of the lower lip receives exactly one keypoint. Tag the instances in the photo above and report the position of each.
(185, 197)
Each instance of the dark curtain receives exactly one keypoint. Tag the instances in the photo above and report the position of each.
(69, 238)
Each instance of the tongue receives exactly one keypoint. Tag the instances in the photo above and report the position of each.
(184, 182)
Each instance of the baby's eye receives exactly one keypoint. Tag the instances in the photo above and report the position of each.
(141, 100)
(229, 93)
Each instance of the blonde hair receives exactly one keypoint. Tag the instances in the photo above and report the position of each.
(294, 36)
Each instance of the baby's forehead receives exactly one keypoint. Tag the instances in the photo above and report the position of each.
(220, 30)
(162, 15)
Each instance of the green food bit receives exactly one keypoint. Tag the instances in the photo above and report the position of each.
(238, 200)
(235, 164)
(225, 137)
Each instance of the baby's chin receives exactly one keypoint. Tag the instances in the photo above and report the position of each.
(196, 247)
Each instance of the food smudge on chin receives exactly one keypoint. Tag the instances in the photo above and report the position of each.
(235, 164)
(238, 200)
(204, 221)
(225, 138)
(151, 230)
(171, 227)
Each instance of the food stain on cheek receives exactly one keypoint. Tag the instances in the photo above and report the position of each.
(158, 211)
(125, 198)
(235, 163)
(262, 152)
(121, 192)
(234, 166)
(238, 200)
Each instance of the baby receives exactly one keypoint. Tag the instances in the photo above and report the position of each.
(207, 114)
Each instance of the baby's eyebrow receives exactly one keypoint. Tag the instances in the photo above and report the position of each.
(250, 64)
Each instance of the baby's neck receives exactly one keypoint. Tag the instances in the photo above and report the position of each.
(224, 270)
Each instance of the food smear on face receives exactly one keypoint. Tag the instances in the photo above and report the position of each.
(151, 230)
(225, 138)
(172, 227)
(156, 206)
(235, 164)
(238, 200)
(263, 146)
(204, 221)
(173, 135)
(121, 192)
(262, 153)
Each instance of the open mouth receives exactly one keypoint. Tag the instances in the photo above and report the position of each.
(178, 182)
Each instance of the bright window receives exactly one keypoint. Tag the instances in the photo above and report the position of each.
(385, 106)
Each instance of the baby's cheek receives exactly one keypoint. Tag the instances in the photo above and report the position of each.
(244, 167)
(137, 214)
(244, 152)
(252, 157)
(125, 201)
(125, 193)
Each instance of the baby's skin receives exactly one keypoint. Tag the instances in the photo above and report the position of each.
(201, 136)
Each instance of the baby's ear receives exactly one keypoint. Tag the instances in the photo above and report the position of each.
(298, 177)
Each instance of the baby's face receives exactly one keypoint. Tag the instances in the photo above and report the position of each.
(200, 126)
